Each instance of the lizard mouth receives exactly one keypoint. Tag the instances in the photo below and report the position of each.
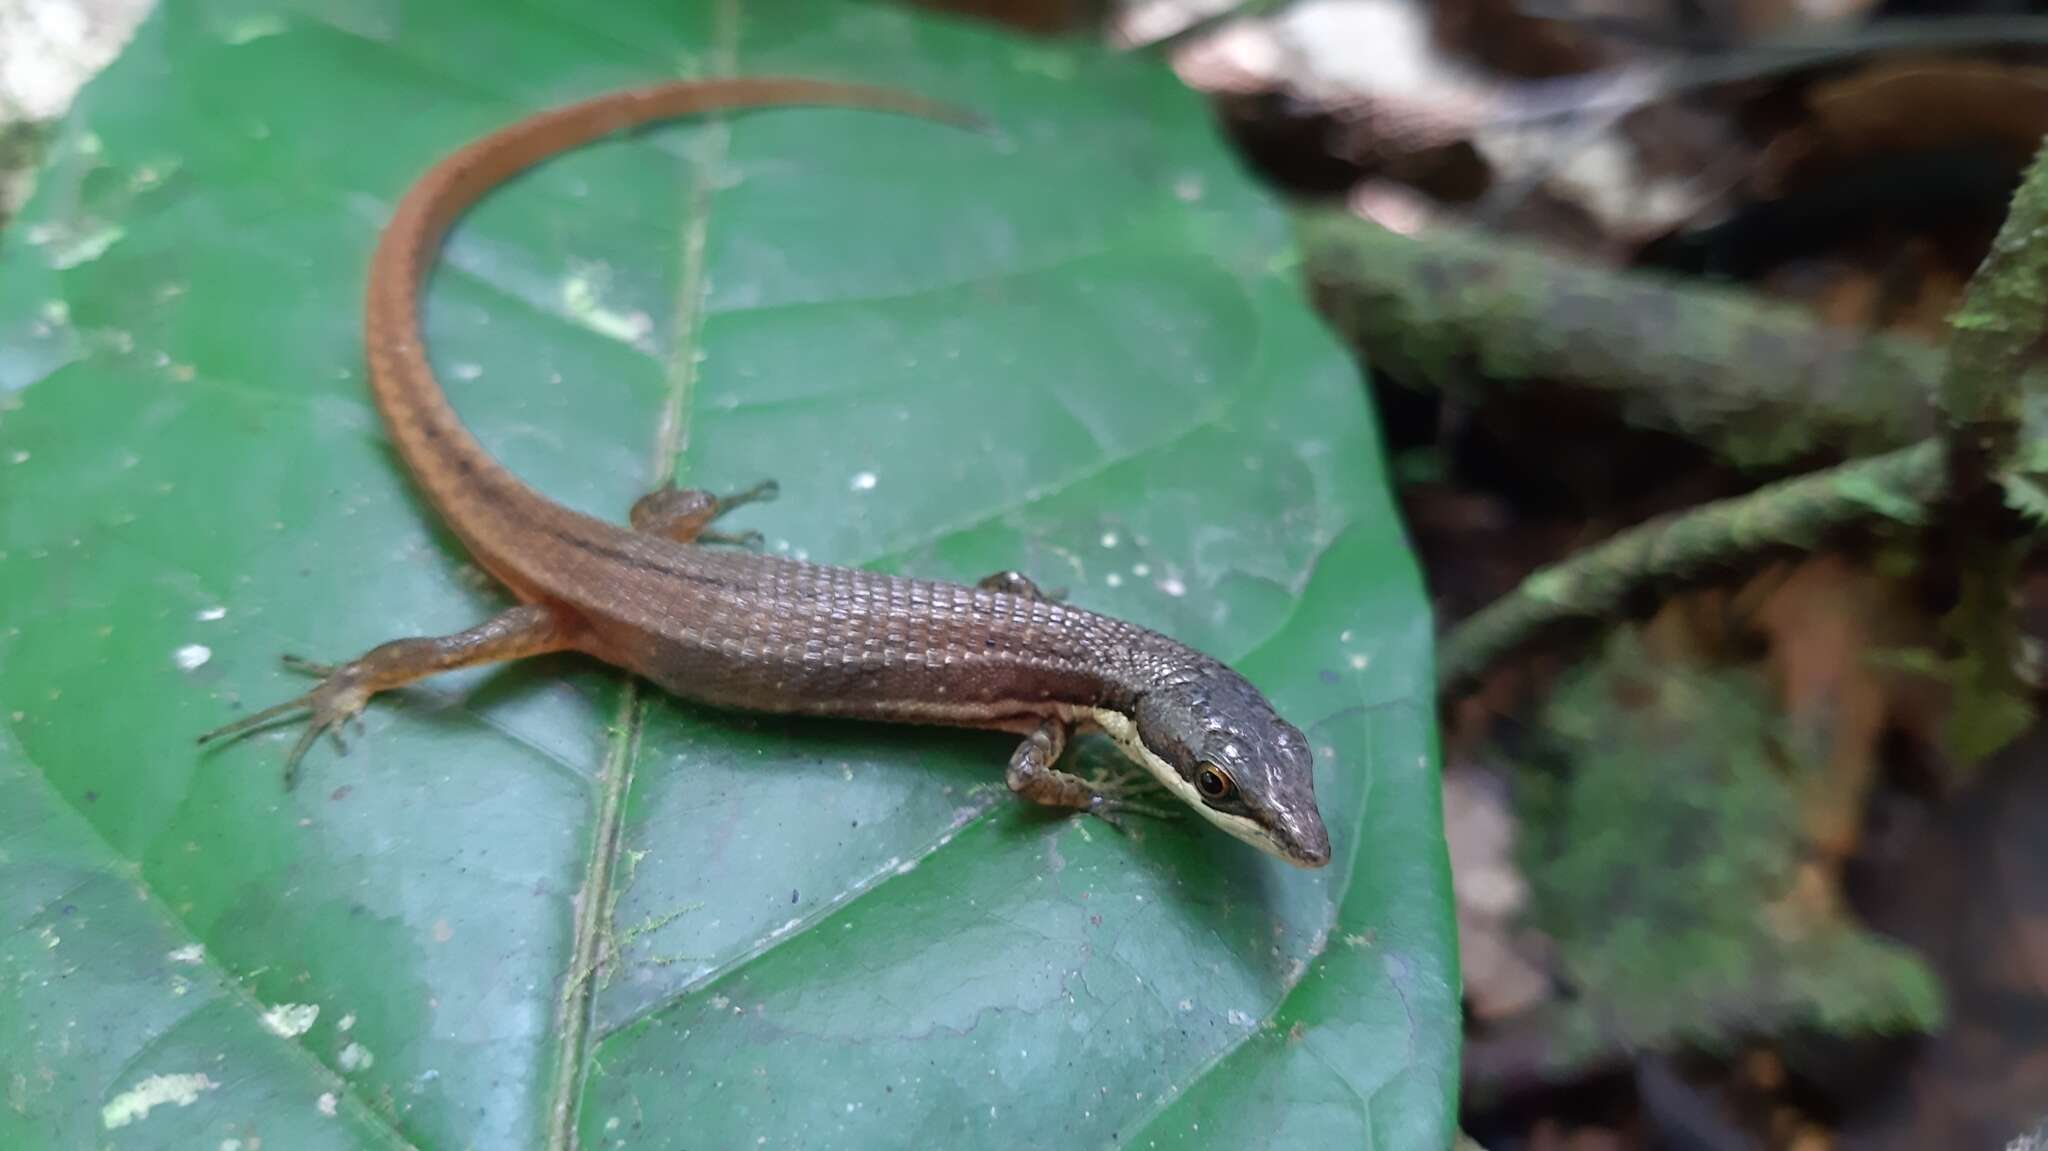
(1306, 848)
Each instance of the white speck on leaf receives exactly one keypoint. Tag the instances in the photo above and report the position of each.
(1172, 586)
(251, 28)
(155, 1091)
(864, 482)
(327, 1104)
(1239, 1019)
(291, 1020)
(581, 298)
(465, 370)
(347, 1022)
(78, 243)
(209, 614)
(190, 953)
(1113, 580)
(1109, 539)
(1359, 661)
(18, 458)
(356, 1057)
(192, 656)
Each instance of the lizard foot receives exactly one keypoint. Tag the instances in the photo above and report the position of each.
(1111, 791)
(339, 698)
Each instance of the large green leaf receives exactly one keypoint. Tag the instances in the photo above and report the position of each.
(541, 903)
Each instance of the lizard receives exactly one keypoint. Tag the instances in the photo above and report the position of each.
(737, 627)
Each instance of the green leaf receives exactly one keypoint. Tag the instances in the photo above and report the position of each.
(540, 903)
(2025, 495)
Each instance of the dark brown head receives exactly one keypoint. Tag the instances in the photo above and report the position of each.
(1215, 742)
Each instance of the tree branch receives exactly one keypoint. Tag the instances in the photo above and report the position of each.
(1475, 316)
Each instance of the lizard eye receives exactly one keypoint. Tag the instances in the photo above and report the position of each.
(1214, 782)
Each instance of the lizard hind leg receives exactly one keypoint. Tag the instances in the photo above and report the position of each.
(686, 514)
(344, 690)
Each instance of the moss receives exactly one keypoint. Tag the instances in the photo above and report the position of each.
(1665, 866)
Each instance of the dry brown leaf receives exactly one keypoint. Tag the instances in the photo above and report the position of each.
(1850, 298)
(1818, 622)
(1906, 288)
(1811, 1138)
(1500, 979)
(1902, 104)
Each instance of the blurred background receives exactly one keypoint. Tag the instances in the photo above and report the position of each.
(1721, 466)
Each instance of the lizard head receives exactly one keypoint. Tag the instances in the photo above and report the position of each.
(1215, 742)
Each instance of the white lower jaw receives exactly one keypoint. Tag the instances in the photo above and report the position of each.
(1119, 729)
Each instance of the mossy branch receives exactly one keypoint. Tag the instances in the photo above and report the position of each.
(1598, 583)
(1992, 338)
(1979, 472)
(1998, 328)
(1475, 316)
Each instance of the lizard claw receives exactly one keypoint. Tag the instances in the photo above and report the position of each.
(751, 540)
(1109, 797)
(339, 698)
(1113, 784)
(304, 666)
(1112, 810)
(761, 493)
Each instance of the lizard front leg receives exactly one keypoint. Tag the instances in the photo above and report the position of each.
(531, 629)
(1031, 774)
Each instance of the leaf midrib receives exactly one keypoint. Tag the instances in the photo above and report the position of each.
(594, 910)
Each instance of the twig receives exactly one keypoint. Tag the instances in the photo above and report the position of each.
(1597, 583)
